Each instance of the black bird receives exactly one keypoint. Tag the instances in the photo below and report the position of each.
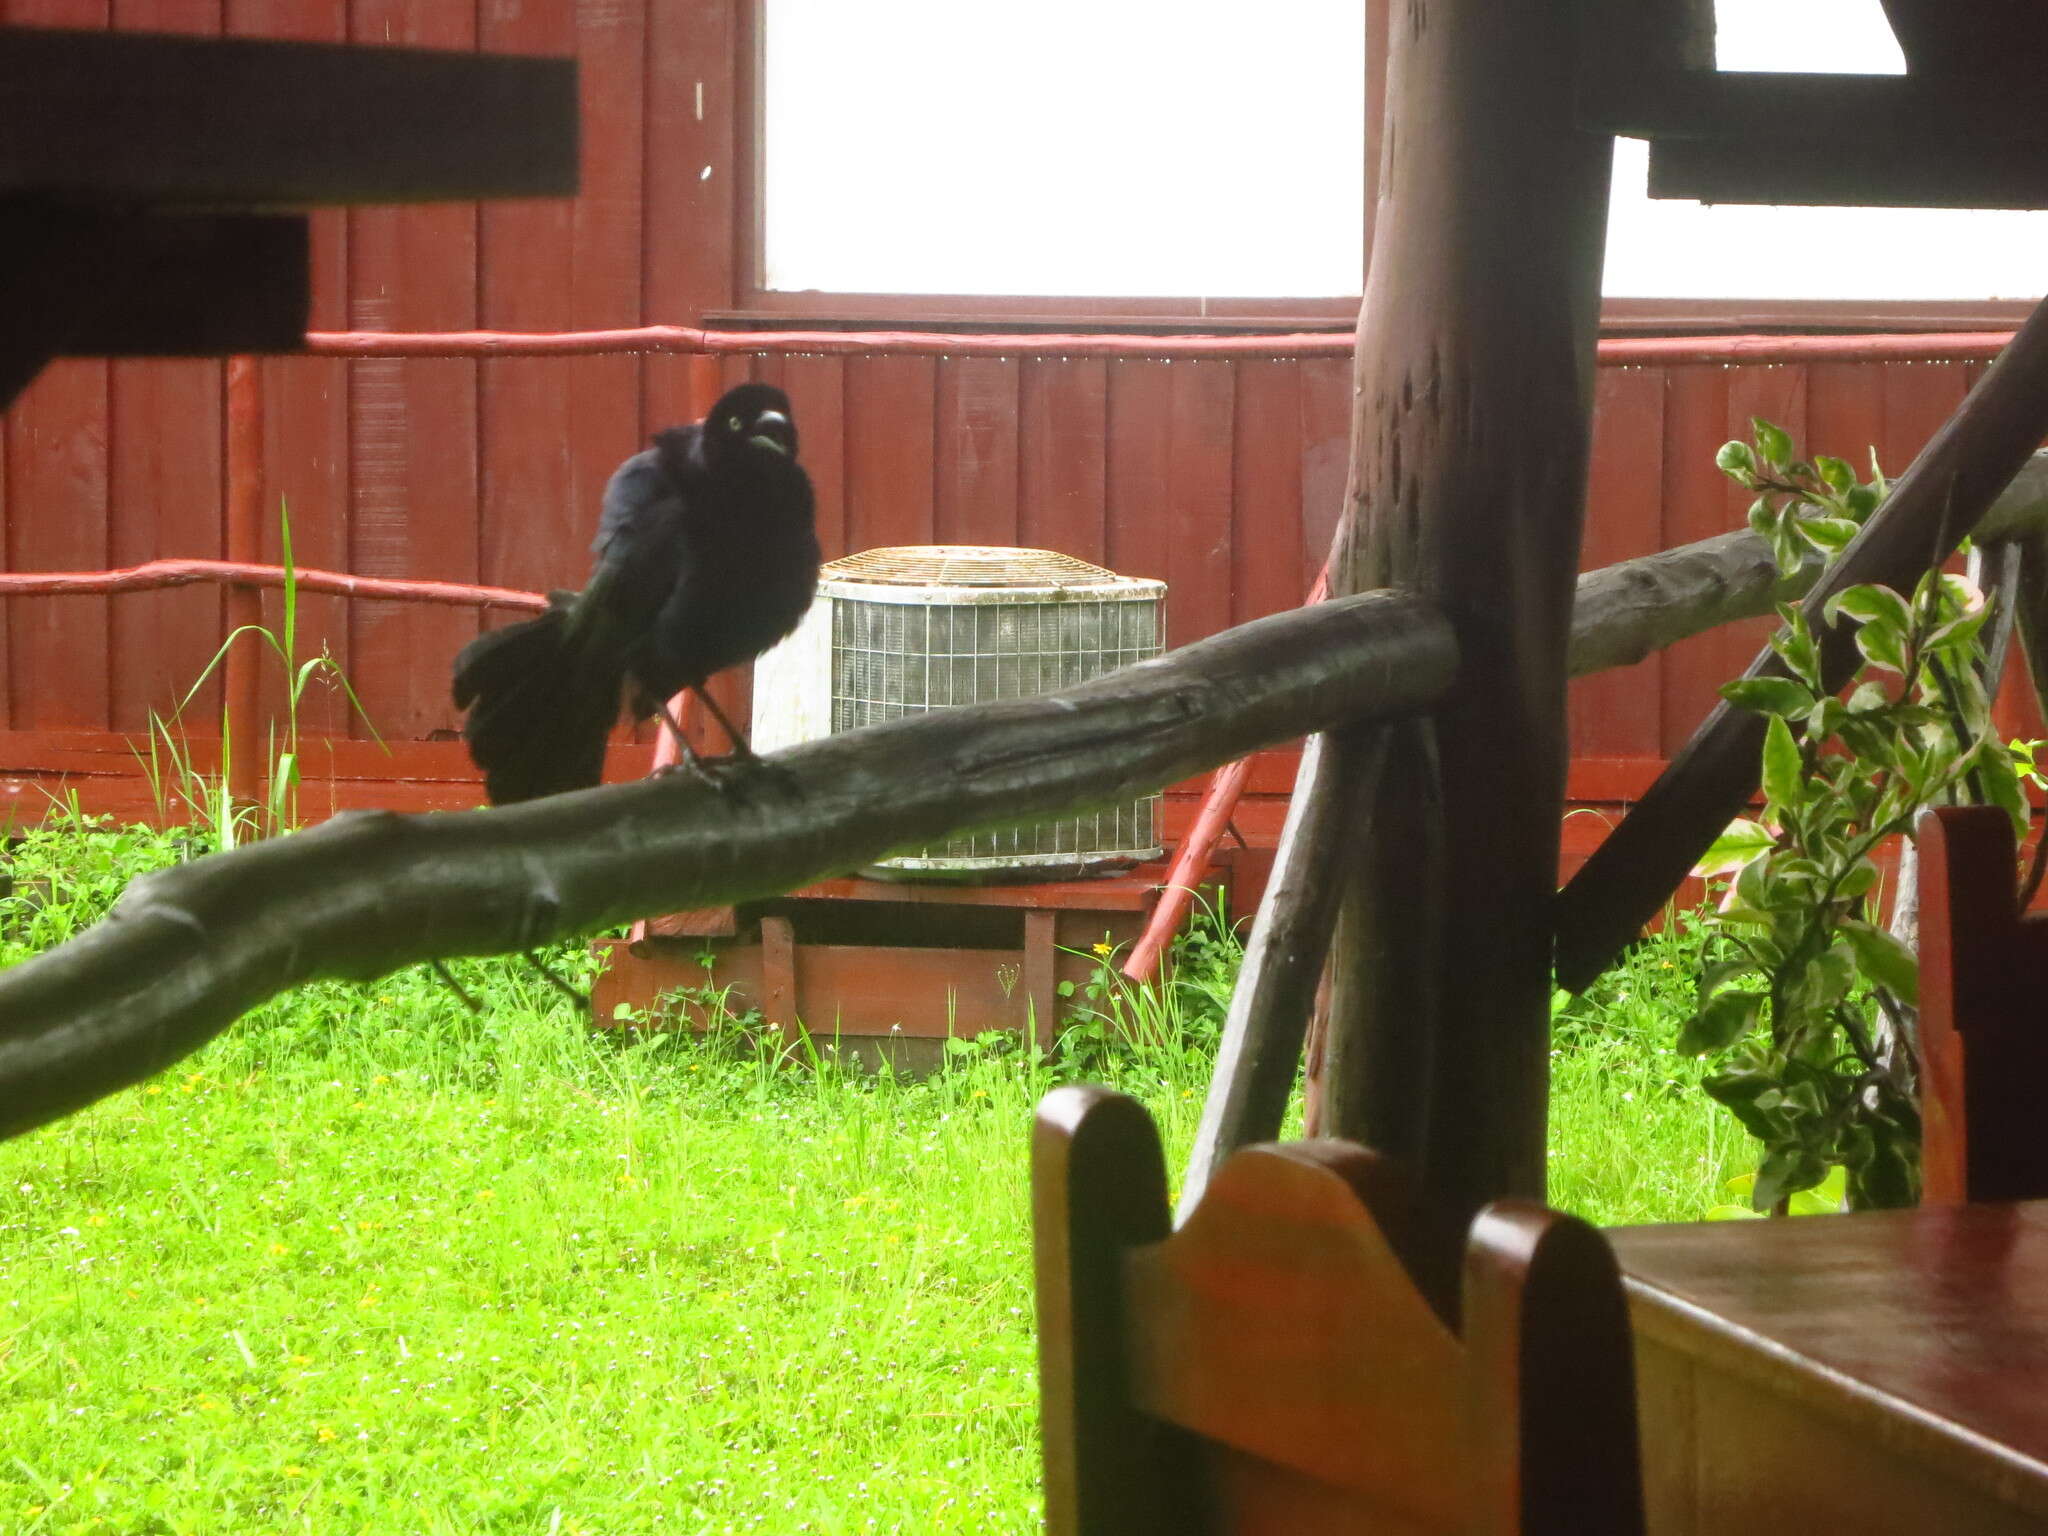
(707, 555)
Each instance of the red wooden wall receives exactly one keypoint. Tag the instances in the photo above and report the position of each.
(1220, 476)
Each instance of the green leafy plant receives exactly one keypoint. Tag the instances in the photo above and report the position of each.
(1809, 1011)
(169, 762)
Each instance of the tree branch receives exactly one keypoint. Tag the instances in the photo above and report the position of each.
(186, 951)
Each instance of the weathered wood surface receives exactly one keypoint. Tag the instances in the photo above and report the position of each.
(188, 950)
(1259, 1057)
(1877, 1373)
(1942, 497)
(1473, 414)
(1983, 1053)
(1315, 1351)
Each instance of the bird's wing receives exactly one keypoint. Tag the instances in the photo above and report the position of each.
(633, 500)
(637, 549)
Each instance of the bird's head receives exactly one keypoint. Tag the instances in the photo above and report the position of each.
(752, 417)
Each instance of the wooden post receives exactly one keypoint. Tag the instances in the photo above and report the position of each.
(1469, 449)
(244, 702)
(778, 979)
(1041, 974)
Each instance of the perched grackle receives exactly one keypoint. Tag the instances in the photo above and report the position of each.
(706, 555)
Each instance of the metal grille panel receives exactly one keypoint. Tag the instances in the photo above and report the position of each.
(897, 658)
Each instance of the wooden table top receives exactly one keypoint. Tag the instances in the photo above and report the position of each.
(1925, 1329)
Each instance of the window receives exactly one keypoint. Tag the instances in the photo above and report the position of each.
(1873, 259)
(1195, 151)
(1181, 160)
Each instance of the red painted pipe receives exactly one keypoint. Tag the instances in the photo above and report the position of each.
(682, 338)
(245, 577)
(1620, 351)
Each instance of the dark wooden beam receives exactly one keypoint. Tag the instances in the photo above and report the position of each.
(1952, 484)
(1934, 173)
(91, 282)
(137, 117)
(1896, 112)
(1469, 448)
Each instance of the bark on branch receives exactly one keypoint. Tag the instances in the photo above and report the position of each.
(187, 951)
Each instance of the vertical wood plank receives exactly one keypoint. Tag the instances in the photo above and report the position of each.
(889, 414)
(305, 417)
(412, 423)
(1325, 445)
(1041, 974)
(1140, 449)
(555, 429)
(687, 169)
(816, 386)
(779, 979)
(1617, 713)
(1918, 399)
(1266, 467)
(165, 491)
(1062, 456)
(975, 498)
(57, 437)
(687, 193)
(1845, 412)
(1698, 503)
(1198, 490)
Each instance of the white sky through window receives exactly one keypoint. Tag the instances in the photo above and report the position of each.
(1177, 148)
(1191, 148)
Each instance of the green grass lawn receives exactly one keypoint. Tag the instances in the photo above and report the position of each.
(370, 1264)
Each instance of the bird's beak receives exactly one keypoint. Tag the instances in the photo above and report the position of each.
(772, 430)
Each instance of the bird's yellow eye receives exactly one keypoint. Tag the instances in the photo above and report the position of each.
(733, 423)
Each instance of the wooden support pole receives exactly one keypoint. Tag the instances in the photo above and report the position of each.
(243, 705)
(1943, 495)
(1473, 407)
(1257, 1061)
(1041, 975)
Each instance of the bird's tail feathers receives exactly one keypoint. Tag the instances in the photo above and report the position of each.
(540, 707)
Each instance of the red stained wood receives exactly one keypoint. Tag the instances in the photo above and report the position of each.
(1281, 1362)
(1140, 449)
(1877, 1373)
(57, 484)
(1918, 398)
(688, 170)
(1618, 713)
(890, 411)
(57, 487)
(412, 424)
(165, 490)
(1325, 446)
(305, 412)
(1267, 552)
(1983, 966)
(1697, 505)
(1198, 482)
(817, 391)
(553, 431)
(1063, 459)
(979, 416)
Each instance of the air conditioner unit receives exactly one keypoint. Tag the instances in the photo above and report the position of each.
(903, 631)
